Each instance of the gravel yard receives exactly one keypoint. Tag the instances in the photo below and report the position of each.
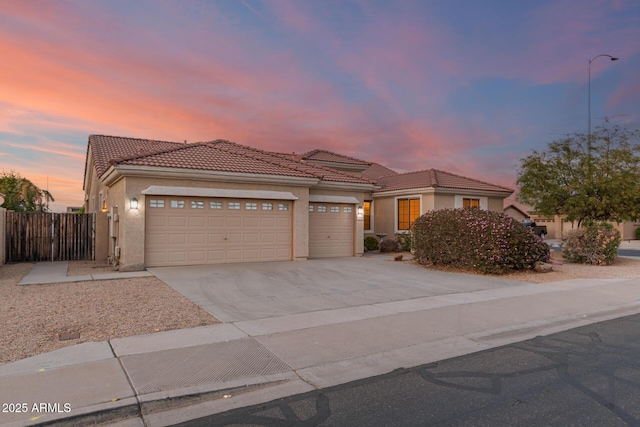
(40, 318)
(622, 268)
(37, 318)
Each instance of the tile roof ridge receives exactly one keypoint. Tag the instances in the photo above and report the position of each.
(260, 155)
(411, 172)
(434, 178)
(142, 154)
(473, 179)
(318, 150)
(327, 168)
(135, 139)
(311, 153)
(300, 165)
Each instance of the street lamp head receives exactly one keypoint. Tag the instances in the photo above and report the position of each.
(613, 58)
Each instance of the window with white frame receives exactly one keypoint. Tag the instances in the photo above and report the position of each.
(267, 206)
(408, 211)
(156, 203)
(177, 204)
(251, 206)
(335, 209)
(470, 203)
(234, 206)
(347, 209)
(322, 208)
(283, 206)
(215, 205)
(367, 214)
(311, 208)
(197, 204)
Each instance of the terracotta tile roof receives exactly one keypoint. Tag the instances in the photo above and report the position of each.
(328, 156)
(218, 155)
(105, 148)
(376, 171)
(436, 179)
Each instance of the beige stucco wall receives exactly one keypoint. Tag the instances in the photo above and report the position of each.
(515, 214)
(495, 204)
(384, 216)
(102, 236)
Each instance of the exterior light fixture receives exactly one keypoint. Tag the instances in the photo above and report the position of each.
(134, 203)
(104, 206)
(360, 212)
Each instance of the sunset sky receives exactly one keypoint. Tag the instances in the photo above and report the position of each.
(466, 86)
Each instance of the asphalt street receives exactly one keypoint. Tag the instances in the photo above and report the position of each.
(588, 376)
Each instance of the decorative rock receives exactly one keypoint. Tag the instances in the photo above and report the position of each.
(136, 266)
(543, 267)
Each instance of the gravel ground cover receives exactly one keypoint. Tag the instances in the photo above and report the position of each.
(40, 318)
(622, 268)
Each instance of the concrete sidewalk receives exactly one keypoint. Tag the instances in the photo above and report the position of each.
(175, 376)
(56, 272)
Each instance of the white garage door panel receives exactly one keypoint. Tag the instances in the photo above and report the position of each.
(192, 235)
(331, 234)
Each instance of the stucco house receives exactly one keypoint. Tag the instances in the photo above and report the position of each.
(557, 225)
(167, 203)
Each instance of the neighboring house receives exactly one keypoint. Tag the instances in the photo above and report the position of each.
(166, 203)
(557, 227)
(516, 210)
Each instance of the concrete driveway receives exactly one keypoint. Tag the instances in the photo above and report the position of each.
(250, 291)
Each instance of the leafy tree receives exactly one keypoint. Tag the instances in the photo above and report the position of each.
(595, 180)
(21, 195)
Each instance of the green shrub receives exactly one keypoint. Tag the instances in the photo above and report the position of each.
(371, 243)
(595, 243)
(389, 245)
(638, 233)
(489, 242)
(404, 239)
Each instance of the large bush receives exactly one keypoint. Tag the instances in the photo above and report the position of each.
(371, 243)
(404, 239)
(390, 245)
(489, 242)
(595, 243)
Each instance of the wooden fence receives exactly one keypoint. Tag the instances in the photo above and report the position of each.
(35, 236)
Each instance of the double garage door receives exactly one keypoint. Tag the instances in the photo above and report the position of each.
(197, 230)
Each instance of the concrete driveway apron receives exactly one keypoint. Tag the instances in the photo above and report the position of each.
(251, 291)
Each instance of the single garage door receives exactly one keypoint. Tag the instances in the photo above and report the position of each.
(330, 230)
(197, 230)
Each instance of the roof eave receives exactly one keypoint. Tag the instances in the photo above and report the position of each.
(335, 185)
(442, 190)
(183, 173)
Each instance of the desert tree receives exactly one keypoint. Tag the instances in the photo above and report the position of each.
(584, 178)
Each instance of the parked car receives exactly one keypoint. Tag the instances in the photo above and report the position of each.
(539, 230)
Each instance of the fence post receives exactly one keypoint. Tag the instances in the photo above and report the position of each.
(3, 234)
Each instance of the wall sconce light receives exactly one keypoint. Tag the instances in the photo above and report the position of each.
(360, 212)
(134, 203)
(104, 206)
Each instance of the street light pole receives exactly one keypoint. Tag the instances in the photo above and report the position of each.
(613, 58)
